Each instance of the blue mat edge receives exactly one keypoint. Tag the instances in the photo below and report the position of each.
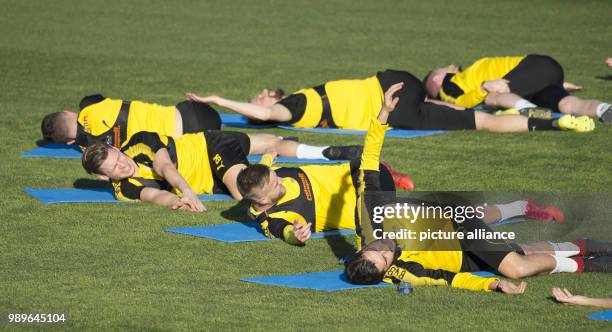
(604, 315)
(262, 280)
(204, 197)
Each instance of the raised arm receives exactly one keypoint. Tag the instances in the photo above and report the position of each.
(163, 166)
(275, 112)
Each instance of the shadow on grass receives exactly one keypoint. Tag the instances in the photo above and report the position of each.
(605, 77)
(340, 246)
(238, 212)
(42, 142)
(91, 184)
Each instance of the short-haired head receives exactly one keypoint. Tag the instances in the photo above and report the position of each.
(434, 79)
(361, 271)
(268, 97)
(251, 178)
(59, 127)
(94, 156)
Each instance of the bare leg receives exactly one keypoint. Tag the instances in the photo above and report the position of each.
(492, 214)
(577, 106)
(265, 143)
(541, 247)
(516, 266)
(502, 100)
(507, 123)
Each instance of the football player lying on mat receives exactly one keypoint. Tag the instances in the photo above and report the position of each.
(289, 203)
(100, 116)
(382, 260)
(172, 171)
(351, 104)
(524, 83)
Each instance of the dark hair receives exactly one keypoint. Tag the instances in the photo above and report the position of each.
(279, 93)
(361, 271)
(251, 177)
(54, 128)
(93, 157)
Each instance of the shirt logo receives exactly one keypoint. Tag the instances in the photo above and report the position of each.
(218, 161)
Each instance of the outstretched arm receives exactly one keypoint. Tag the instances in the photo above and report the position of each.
(163, 166)
(164, 198)
(275, 112)
(564, 296)
(368, 193)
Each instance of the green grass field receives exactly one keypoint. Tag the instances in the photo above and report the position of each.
(112, 267)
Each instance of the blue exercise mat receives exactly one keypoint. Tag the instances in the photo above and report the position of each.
(54, 151)
(242, 232)
(390, 133)
(240, 121)
(322, 281)
(256, 158)
(74, 152)
(50, 196)
(604, 315)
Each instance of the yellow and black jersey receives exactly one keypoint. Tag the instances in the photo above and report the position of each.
(464, 88)
(323, 195)
(347, 104)
(201, 159)
(115, 121)
(434, 268)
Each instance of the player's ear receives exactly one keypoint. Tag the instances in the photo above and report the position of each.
(102, 177)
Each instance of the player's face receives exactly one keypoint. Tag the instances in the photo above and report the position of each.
(70, 119)
(117, 166)
(265, 98)
(380, 252)
(272, 191)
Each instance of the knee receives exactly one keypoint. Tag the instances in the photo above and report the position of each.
(514, 266)
(565, 104)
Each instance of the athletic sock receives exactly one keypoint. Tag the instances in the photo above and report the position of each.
(512, 210)
(601, 108)
(571, 265)
(310, 152)
(565, 249)
(541, 124)
(523, 103)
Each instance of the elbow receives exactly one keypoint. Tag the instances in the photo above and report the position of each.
(265, 116)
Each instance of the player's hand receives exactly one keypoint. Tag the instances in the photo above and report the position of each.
(192, 202)
(564, 296)
(208, 99)
(609, 62)
(508, 287)
(390, 102)
(497, 86)
(569, 86)
(301, 230)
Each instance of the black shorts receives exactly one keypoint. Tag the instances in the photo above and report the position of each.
(225, 149)
(539, 79)
(198, 117)
(413, 113)
(480, 254)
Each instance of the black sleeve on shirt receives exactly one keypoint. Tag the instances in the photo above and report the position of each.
(276, 227)
(152, 140)
(90, 100)
(130, 190)
(296, 104)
